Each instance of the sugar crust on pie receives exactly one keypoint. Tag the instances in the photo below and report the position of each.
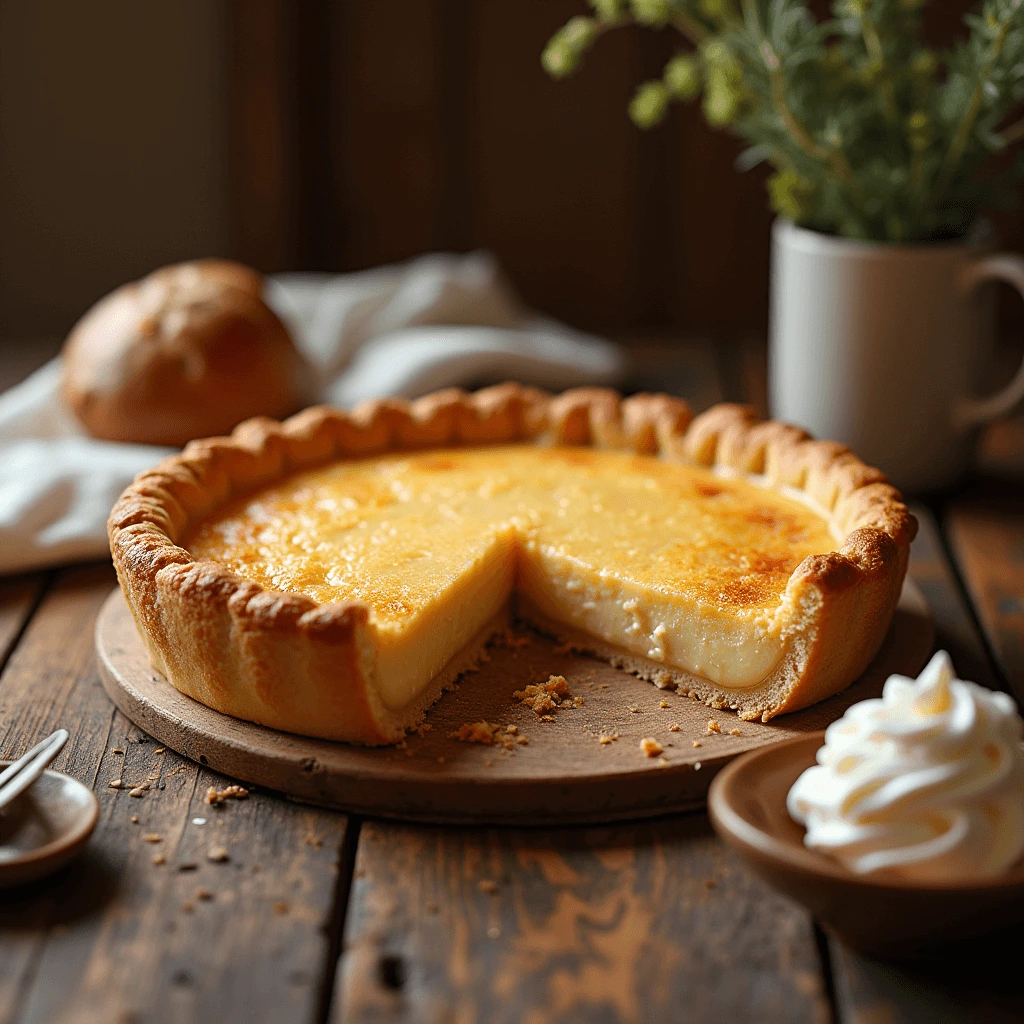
(332, 574)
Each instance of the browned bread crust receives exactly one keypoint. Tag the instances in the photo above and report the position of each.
(286, 661)
(189, 351)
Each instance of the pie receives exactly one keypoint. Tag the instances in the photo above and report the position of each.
(332, 574)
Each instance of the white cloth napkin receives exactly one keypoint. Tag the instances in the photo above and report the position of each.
(436, 321)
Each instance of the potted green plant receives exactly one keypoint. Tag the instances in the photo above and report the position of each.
(885, 156)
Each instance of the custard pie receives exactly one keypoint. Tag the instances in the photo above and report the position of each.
(332, 574)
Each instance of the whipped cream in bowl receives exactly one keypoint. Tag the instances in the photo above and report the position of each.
(924, 785)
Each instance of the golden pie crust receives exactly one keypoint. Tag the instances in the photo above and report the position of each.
(290, 662)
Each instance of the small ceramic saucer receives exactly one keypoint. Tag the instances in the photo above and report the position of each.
(747, 805)
(46, 827)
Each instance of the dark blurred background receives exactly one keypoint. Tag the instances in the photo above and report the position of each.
(336, 136)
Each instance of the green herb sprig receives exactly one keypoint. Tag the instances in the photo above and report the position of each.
(871, 134)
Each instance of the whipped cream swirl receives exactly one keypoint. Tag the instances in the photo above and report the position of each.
(925, 784)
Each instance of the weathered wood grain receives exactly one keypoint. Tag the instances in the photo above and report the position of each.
(954, 626)
(655, 922)
(18, 598)
(976, 986)
(117, 937)
(987, 539)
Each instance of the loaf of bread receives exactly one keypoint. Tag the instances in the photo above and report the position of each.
(187, 352)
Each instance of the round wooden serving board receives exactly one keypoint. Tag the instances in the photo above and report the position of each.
(563, 774)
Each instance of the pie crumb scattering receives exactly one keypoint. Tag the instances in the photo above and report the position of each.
(139, 791)
(114, 783)
(488, 734)
(663, 704)
(540, 697)
(218, 854)
(280, 907)
(713, 727)
(650, 746)
(152, 837)
(158, 859)
(135, 819)
(674, 727)
(203, 894)
(215, 797)
(696, 743)
(634, 710)
(117, 750)
(160, 750)
(475, 732)
(735, 732)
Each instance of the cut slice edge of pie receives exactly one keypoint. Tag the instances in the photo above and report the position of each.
(331, 575)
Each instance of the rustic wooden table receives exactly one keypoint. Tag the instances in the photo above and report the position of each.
(321, 917)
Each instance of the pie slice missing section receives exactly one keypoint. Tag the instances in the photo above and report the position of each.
(332, 574)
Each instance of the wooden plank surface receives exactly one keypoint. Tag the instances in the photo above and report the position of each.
(987, 539)
(118, 937)
(18, 598)
(652, 922)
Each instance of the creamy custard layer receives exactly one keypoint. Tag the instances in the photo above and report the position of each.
(643, 554)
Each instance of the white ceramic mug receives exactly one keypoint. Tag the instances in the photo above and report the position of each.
(880, 347)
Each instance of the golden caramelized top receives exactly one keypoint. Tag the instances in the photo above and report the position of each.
(396, 531)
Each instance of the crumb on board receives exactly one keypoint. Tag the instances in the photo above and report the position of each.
(651, 747)
(634, 710)
(541, 697)
(117, 750)
(607, 737)
(160, 750)
(203, 894)
(735, 732)
(280, 907)
(215, 797)
(674, 727)
(135, 819)
(115, 783)
(158, 859)
(663, 704)
(152, 837)
(713, 727)
(489, 734)
(139, 790)
(218, 854)
(696, 743)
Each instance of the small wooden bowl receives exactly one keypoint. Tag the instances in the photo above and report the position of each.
(45, 828)
(747, 805)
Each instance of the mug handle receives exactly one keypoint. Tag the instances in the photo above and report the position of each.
(1008, 268)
